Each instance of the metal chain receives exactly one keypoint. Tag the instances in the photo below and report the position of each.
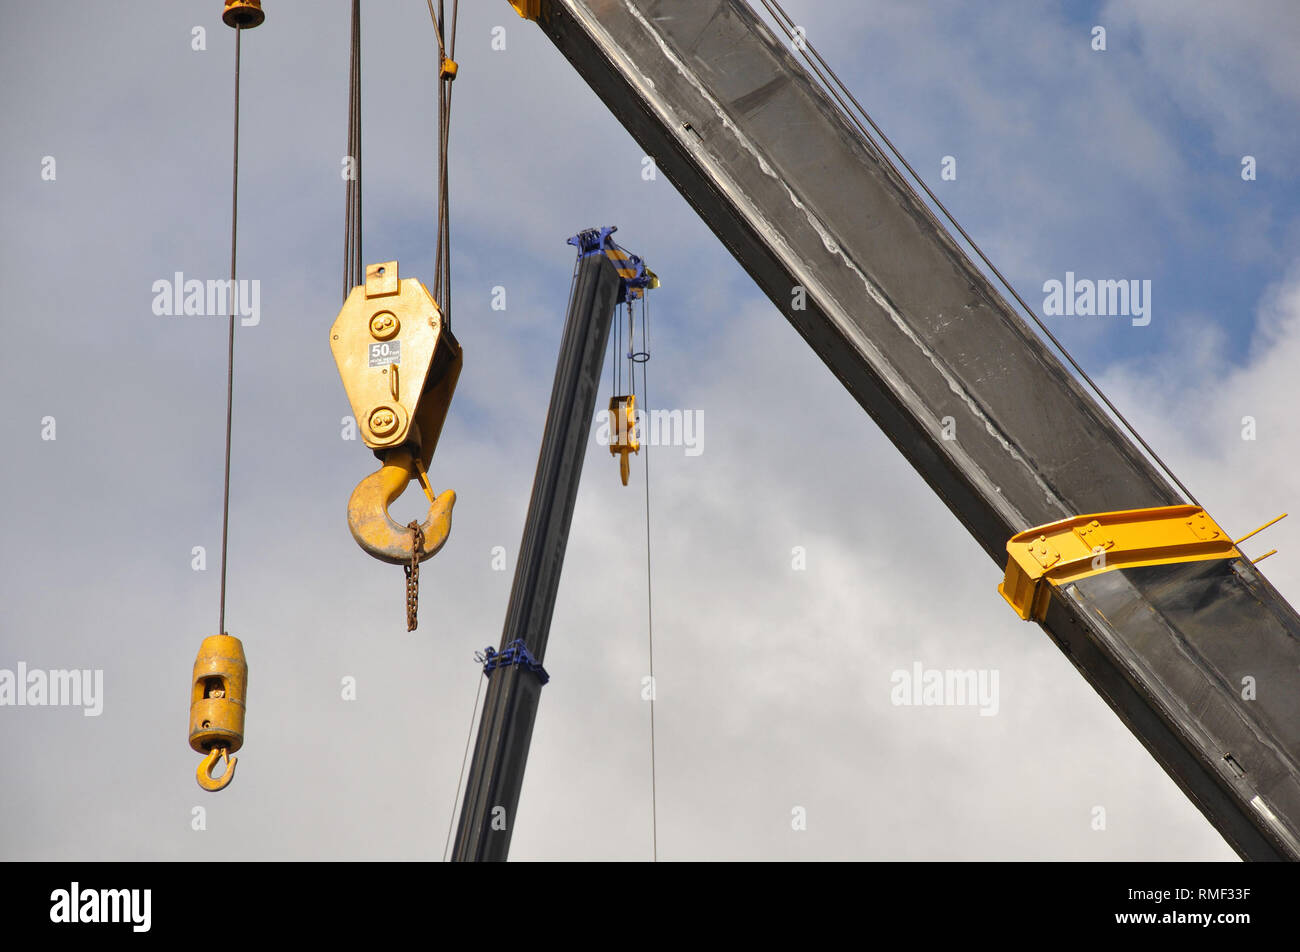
(413, 576)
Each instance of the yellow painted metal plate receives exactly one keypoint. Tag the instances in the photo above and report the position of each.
(387, 330)
(528, 9)
(1081, 546)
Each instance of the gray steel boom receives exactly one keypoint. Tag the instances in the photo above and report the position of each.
(487, 818)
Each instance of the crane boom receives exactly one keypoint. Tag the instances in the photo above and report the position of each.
(487, 818)
(856, 261)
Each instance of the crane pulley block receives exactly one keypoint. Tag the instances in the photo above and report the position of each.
(399, 363)
(219, 689)
(622, 431)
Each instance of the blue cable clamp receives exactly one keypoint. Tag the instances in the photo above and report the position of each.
(515, 653)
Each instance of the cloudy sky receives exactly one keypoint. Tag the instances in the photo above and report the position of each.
(774, 684)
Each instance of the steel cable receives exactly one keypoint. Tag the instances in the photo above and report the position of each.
(230, 345)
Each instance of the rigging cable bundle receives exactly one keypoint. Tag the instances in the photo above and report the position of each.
(395, 352)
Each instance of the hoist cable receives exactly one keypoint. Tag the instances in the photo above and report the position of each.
(444, 209)
(616, 365)
(473, 714)
(353, 264)
(645, 327)
(442, 254)
(631, 346)
(832, 84)
(230, 346)
(442, 50)
(650, 618)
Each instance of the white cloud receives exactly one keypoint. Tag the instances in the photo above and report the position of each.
(774, 684)
(1230, 66)
(1191, 404)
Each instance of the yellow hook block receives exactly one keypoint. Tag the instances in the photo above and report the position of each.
(399, 364)
(219, 689)
(622, 431)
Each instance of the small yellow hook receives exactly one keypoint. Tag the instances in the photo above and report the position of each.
(205, 778)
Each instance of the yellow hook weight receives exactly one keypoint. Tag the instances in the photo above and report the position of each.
(219, 688)
(622, 430)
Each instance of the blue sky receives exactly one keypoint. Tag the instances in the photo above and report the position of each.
(1105, 163)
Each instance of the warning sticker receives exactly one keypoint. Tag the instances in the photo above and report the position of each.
(385, 352)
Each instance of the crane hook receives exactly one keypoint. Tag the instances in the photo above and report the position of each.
(375, 530)
(205, 778)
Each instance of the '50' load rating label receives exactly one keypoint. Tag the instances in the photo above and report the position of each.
(386, 352)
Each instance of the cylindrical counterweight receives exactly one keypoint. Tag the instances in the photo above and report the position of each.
(218, 691)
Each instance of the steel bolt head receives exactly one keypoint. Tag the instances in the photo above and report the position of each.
(383, 421)
(383, 325)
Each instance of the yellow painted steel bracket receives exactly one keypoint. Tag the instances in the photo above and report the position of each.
(1062, 552)
(399, 364)
(528, 9)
